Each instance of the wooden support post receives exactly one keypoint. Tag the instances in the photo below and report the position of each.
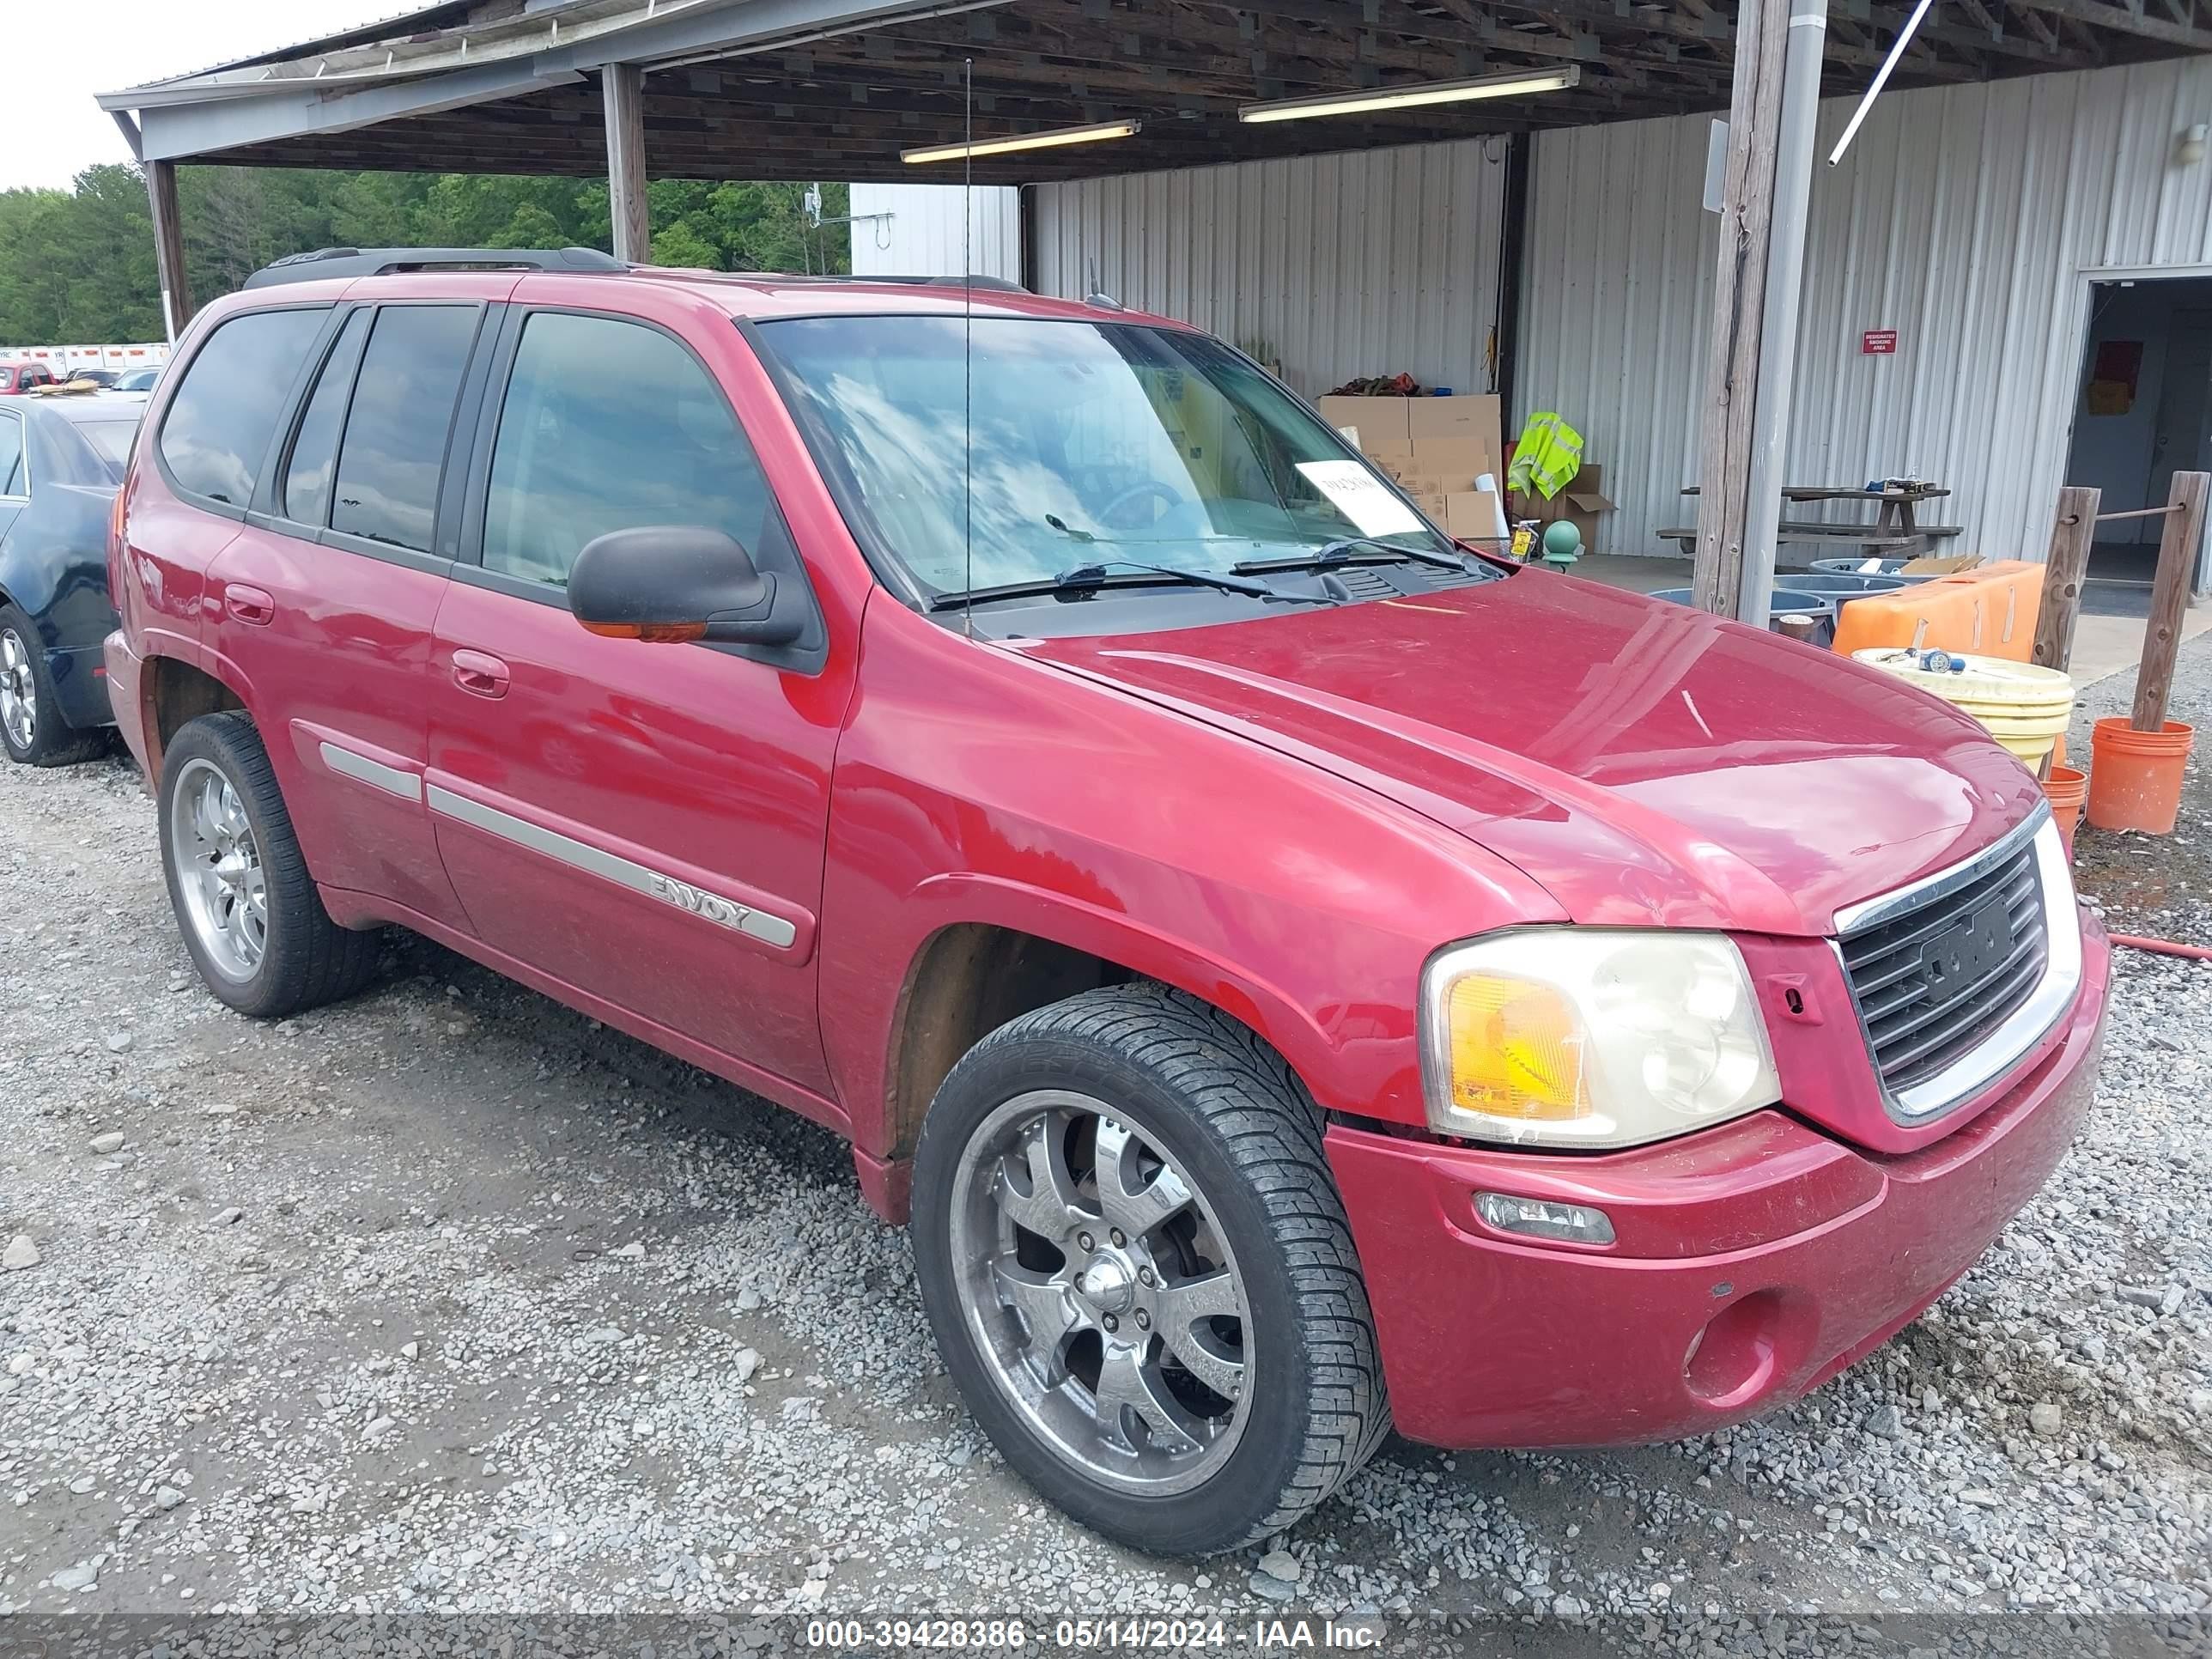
(2169, 597)
(1726, 435)
(169, 248)
(622, 87)
(2063, 566)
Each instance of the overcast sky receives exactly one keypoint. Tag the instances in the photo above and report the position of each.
(66, 50)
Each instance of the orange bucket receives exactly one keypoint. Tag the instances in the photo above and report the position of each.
(2066, 786)
(2135, 777)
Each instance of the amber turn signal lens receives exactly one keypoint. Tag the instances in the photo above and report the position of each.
(1516, 1050)
(1590, 1036)
(652, 633)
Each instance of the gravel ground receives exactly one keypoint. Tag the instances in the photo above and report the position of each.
(450, 1300)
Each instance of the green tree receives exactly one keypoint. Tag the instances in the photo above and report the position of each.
(681, 246)
(77, 265)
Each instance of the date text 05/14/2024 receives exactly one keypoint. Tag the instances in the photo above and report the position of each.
(1086, 1635)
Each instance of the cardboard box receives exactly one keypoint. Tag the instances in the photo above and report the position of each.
(1455, 418)
(1581, 503)
(1477, 419)
(1435, 505)
(1471, 515)
(1458, 459)
(1396, 460)
(1378, 420)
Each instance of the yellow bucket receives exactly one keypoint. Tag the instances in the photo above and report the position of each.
(2025, 708)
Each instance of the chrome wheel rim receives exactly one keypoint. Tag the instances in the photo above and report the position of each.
(19, 691)
(1099, 1289)
(217, 863)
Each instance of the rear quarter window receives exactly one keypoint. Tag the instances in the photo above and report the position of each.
(111, 441)
(218, 426)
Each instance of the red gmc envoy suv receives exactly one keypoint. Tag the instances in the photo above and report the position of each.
(1296, 974)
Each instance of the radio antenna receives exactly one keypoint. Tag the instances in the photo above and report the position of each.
(968, 328)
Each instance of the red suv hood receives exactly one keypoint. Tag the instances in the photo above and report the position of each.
(1647, 763)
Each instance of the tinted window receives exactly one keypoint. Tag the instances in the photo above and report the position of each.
(394, 449)
(608, 425)
(11, 455)
(219, 425)
(306, 494)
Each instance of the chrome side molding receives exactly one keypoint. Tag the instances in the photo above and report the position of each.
(715, 907)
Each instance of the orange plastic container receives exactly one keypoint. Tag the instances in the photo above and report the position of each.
(2065, 787)
(1990, 611)
(2135, 777)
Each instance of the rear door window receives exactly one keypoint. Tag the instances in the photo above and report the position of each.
(393, 452)
(218, 429)
(305, 495)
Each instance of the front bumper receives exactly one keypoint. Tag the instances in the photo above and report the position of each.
(1752, 1261)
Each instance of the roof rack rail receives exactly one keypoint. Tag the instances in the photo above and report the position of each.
(326, 263)
(990, 284)
(986, 284)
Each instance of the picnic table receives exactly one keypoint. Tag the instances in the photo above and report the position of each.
(1896, 531)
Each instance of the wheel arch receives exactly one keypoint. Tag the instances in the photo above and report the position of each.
(1014, 950)
(172, 693)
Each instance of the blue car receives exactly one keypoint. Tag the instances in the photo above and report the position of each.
(61, 458)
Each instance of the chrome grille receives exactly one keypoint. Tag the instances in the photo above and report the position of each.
(1935, 978)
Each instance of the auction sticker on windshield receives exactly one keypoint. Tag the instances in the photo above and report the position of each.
(1361, 497)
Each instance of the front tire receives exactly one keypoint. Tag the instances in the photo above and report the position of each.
(31, 724)
(1139, 1273)
(247, 908)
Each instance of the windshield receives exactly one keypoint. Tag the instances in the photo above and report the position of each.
(1092, 442)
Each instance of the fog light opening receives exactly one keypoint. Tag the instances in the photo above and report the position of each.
(1737, 1356)
(1539, 1218)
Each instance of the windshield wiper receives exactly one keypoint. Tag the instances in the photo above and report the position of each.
(1346, 551)
(1091, 577)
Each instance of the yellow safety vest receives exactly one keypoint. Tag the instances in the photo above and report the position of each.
(1546, 458)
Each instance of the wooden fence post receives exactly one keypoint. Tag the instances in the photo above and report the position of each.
(2063, 566)
(2169, 597)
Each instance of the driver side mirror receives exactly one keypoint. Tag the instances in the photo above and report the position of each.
(672, 584)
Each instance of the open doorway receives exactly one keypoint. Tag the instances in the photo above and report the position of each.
(2143, 412)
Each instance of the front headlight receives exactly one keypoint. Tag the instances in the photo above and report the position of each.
(1572, 1037)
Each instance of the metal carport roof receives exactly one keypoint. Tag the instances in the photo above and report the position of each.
(808, 89)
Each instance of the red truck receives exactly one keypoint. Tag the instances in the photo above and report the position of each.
(1296, 975)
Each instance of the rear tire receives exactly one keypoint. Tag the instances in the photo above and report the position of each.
(1143, 1180)
(31, 724)
(247, 908)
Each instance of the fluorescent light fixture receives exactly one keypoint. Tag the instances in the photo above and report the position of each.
(1021, 140)
(1510, 84)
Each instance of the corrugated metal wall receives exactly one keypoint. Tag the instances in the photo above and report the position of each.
(1963, 217)
(924, 235)
(1335, 266)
